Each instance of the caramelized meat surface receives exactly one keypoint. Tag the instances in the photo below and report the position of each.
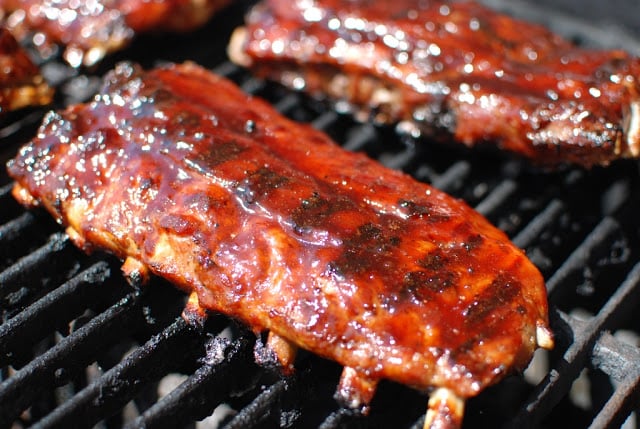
(452, 69)
(89, 30)
(268, 221)
(21, 83)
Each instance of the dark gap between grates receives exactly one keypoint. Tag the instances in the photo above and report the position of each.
(53, 311)
(69, 355)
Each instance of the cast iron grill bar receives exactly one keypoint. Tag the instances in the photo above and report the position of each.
(453, 177)
(580, 256)
(538, 224)
(616, 196)
(40, 261)
(226, 68)
(253, 85)
(5, 191)
(201, 392)
(325, 120)
(287, 103)
(260, 408)
(117, 386)
(13, 128)
(16, 228)
(400, 160)
(496, 197)
(337, 419)
(62, 304)
(68, 356)
(620, 361)
(363, 135)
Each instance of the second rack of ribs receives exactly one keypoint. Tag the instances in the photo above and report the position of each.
(456, 70)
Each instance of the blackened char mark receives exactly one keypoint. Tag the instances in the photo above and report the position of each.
(426, 211)
(204, 161)
(259, 184)
(317, 210)
(368, 250)
(498, 296)
(419, 286)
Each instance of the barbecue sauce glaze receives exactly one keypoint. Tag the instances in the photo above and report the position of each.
(270, 222)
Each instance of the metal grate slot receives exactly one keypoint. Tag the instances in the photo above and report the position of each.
(620, 361)
(579, 258)
(497, 197)
(207, 387)
(583, 338)
(452, 178)
(49, 262)
(260, 408)
(52, 311)
(111, 391)
(337, 419)
(537, 225)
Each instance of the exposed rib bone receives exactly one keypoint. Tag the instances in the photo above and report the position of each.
(136, 273)
(284, 350)
(633, 129)
(235, 49)
(446, 410)
(544, 337)
(76, 238)
(23, 196)
(355, 390)
(193, 312)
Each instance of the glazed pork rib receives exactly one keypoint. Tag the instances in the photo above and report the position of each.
(180, 174)
(21, 83)
(451, 69)
(89, 30)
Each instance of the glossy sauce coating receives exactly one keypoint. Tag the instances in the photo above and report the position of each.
(271, 223)
(453, 68)
(90, 29)
(21, 83)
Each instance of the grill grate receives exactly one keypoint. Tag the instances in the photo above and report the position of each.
(79, 347)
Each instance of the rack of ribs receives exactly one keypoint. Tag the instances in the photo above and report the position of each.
(451, 70)
(21, 84)
(182, 175)
(89, 30)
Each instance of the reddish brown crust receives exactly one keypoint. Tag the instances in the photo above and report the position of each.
(90, 30)
(453, 67)
(270, 222)
(21, 83)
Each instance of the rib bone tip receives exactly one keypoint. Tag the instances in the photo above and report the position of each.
(193, 313)
(235, 49)
(355, 390)
(446, 410)
(544, 337)
(136, 272)
(632, 130)
(285, 351)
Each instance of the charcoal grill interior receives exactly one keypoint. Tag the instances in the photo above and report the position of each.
(79, 347)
